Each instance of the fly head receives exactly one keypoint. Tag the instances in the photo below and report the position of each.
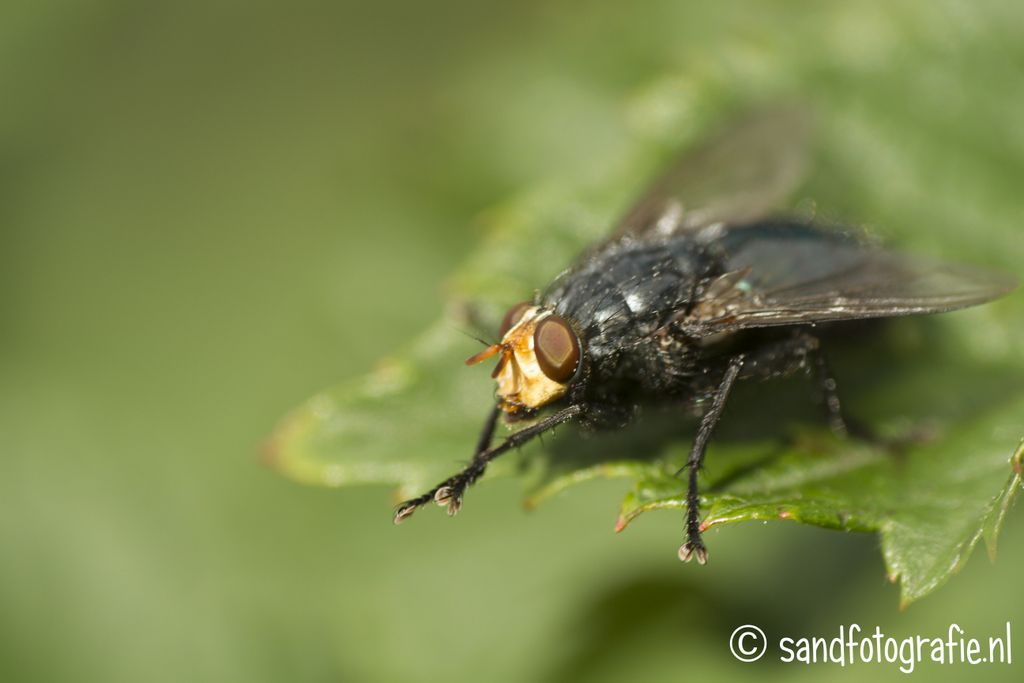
(540, 355)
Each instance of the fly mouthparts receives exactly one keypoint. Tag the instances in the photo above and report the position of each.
(506, 354)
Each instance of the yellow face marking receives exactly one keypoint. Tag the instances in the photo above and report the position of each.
(521, 382)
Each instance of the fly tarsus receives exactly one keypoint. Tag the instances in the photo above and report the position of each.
(449, 493)
(446, 494)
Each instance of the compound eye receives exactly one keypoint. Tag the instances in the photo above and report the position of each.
(514, 315)
(557, 348)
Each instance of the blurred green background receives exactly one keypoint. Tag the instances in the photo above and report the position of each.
(208, 211)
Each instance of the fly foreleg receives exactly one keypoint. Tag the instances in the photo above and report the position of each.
(450, 491)
(483, 443)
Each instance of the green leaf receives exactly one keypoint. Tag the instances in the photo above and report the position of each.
(412, 421)
(930, 507)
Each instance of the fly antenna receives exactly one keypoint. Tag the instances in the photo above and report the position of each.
(473, 336)
(483, 355)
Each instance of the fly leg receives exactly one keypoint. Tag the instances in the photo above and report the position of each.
(802, 351)
(842, 425)
(450, 491)
(830, 396)
(694, 546)
(482, 444)
(838, 421)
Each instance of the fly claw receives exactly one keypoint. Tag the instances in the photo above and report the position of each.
(689, 551)
(404, 512)
(443, 495)
(450, 497)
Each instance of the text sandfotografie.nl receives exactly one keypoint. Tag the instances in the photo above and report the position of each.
(853, 645)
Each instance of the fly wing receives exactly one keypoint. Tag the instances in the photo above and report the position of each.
(739, 175)
(787, 274)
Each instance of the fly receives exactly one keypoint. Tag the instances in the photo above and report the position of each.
(700, 286)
